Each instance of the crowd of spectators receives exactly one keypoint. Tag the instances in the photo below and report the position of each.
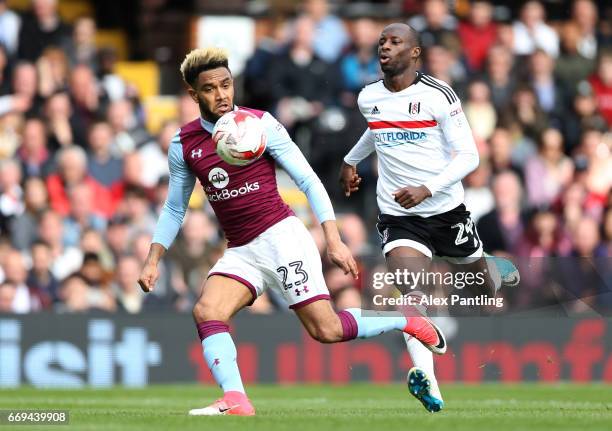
(82, 180)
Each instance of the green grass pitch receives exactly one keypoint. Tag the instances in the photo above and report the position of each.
(359, 407)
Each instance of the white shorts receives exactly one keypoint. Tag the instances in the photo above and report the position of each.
(284, 258)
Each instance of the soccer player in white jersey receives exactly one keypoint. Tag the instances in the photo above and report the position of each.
(425, 148)
(267, 245)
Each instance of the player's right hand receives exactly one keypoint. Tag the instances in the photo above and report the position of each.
(349, 179)
(148, 277)
(342, 257)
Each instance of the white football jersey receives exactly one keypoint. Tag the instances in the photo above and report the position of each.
(421, 137)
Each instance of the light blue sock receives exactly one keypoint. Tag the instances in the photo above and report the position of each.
(371, 323)
(220, 355)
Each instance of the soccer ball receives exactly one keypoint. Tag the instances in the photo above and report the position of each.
(239, 137)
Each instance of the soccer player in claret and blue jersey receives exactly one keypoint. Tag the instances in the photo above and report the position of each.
(267, 245)
(425, 147)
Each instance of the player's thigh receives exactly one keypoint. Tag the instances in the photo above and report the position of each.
(406, 245)
(221, 298)
(232, 283)
(402, 261)
(321, 321)
(408, 258)
(290, 261)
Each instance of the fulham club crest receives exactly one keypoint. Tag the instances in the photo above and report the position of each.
(414, 108)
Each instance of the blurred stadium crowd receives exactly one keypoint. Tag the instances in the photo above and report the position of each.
(82, 179)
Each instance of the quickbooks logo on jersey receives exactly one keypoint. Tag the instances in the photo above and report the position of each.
(219, 178)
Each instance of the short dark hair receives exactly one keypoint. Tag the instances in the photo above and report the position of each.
(416, 35)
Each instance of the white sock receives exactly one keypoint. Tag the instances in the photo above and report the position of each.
(423, 358)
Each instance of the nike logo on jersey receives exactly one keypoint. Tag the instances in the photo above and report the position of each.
(375, 110)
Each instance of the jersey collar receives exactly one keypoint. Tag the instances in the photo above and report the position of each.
(208, 126)
(418, 78)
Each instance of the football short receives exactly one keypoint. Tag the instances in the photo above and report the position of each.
(284, 257)
(451, 235)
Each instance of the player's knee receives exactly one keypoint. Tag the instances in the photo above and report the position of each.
(205, 310)
(198, 312)
(326, 333)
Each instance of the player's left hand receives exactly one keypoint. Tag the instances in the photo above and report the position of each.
(349, 179)
(410, 196)
(340, 254)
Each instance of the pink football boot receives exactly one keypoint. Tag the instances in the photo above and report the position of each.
(233, 403)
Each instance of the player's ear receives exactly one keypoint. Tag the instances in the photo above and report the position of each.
(193, 94)
(416, 52)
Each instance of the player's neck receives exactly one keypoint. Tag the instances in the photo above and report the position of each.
(400, 81)
(210, 118)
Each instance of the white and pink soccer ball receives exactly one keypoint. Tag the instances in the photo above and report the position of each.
(239, 137)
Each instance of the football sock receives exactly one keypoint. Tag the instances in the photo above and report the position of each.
(358, 323)
(423, 358)
(220, 354)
